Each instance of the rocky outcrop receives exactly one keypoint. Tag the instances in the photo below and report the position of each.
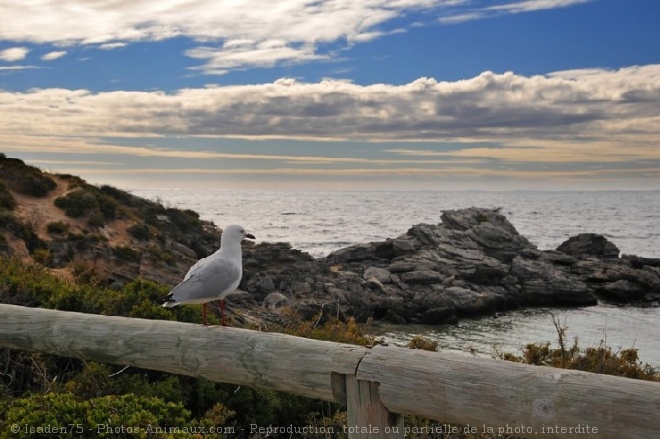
(474, 262)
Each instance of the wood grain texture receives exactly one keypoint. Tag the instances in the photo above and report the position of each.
(229, 355)
(477, 391)
(367, 417)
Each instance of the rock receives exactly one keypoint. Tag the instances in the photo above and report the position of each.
(544, 284)
(266, 284)
(473, 263)
(362, 252)
(500, 243)
(380, 274)
(557, 257)
(622, 291)
(439, 316)
(301, 288)
(402, 247)
(422, 277)
(406, 265)
(589, 245)
(274, 302)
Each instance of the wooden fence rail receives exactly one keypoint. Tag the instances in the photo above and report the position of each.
(378, 385)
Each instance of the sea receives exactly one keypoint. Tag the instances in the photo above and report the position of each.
(320, 222)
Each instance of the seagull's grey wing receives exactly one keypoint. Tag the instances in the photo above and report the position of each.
(198, 266)
(207, 281)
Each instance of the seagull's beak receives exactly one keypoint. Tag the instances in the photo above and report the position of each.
(250, 236)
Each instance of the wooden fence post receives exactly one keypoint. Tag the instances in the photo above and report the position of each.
(367, 417)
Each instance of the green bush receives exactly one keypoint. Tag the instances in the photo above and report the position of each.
(77, 203)
(125, 253)
(7, 200)
(111, 416)
(25, 179)
(140, 231)
(9, 222)
(601, 359)
(57, 227)
(186, 220)
(107, 206)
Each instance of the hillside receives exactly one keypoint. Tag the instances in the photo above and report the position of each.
(99, 234)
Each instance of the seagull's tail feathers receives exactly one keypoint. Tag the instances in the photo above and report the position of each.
(169, 302)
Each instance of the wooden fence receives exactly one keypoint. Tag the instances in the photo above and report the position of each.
(378, 385)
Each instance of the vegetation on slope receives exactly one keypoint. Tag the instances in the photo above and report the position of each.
(102, 233)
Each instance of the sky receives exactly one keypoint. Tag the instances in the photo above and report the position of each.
(336, 94)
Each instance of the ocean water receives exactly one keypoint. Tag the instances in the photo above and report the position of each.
(320, 222)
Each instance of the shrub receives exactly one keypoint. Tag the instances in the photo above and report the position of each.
(73, 180)
(122, 197)
(140, 231)
(127, 254)
(601, 360)
(96, 220)
(7, 200)
(107, 205)
(9, 222)
(419, 342)
(86, 418)
(42, 256)
(186, 220)
(57, 227)
(25, 179)
(31, 238)
(334, 329)
(75, 204)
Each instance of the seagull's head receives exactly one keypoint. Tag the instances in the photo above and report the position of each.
(235, 233)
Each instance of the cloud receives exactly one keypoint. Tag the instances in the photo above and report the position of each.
(484, 9)
(13, 54)
(238, 35)
(534, 5)
(111, 46)
(16, 68)
(251, 33)
(243, 54)
(53, 55)
(586, 106)
(595, 115)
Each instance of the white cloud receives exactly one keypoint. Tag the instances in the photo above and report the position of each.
(484, 9)
(534, 5)
(111, 46)
(53, 55)
(241, 54)
(572, 115)
(13, 54)
(9, 68)
(297, 26)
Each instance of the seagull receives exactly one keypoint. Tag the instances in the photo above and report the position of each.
(215, 276)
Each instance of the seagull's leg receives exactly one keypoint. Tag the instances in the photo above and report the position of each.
(222, 311)
(204, 313)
